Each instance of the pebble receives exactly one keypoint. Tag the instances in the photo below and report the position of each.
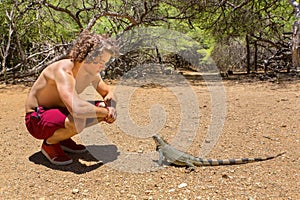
(225, 176)
(182, 185)
(148, 191)
(85, 192)
(74, 191)
(172, 190)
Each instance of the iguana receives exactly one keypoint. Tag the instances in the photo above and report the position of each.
(180, 158)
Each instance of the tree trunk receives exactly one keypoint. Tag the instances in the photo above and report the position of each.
(248, 54)
(255, 55)
(296, 45)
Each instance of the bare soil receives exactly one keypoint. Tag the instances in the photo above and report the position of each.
(262, 118)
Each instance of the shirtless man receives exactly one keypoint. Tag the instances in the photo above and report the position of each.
(53, 104)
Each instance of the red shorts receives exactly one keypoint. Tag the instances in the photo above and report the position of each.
(42, 123)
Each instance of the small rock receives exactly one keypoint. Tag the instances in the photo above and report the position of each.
(172, 190)
(226, 176)
(75, 191)
(148, 192)
(182, 185)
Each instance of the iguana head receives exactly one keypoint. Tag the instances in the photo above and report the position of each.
(158, 141)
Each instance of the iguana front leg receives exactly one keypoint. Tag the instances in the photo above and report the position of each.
(161, 157)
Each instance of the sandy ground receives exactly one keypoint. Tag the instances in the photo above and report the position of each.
(261, 119)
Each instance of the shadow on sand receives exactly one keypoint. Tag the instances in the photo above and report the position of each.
(84, 162)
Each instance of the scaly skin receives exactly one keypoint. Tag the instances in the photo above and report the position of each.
(179, 158)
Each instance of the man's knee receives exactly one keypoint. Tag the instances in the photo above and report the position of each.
(76, 126)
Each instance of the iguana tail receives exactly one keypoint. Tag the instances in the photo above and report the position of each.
(238, 161)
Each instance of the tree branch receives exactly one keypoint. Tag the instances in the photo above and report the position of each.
(5, 51)
(111, 14)
(295, 4)
(74, 17)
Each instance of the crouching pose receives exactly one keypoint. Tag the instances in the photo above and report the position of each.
(54, 110)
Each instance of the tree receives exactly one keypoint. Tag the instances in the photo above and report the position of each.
(53, 24)
(38, 32)
(296, 36)
(264, 29)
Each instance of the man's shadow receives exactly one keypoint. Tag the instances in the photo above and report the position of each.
(84, 162)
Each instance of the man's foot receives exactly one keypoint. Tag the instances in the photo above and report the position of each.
(55, 154)
(70, 146)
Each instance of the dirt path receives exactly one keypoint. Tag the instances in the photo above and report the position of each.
(261, 119)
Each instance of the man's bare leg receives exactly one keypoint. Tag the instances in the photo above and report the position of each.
(71, 128)
(67, 132)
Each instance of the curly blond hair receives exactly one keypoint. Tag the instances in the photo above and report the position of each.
(90, 44)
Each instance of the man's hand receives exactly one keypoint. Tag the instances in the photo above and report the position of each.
(112, 115)
(110, 100)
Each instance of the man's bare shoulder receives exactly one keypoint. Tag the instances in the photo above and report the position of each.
(65, 64)
(61, 66)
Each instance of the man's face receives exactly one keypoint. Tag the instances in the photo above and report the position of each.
(96, 60)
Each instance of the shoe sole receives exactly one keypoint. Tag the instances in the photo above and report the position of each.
(56, 162)
(73, 151)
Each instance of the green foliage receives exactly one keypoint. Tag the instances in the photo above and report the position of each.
(40, 25)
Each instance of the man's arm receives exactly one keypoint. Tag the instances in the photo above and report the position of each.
(110, 100)
(104, 90)
(79, 108)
